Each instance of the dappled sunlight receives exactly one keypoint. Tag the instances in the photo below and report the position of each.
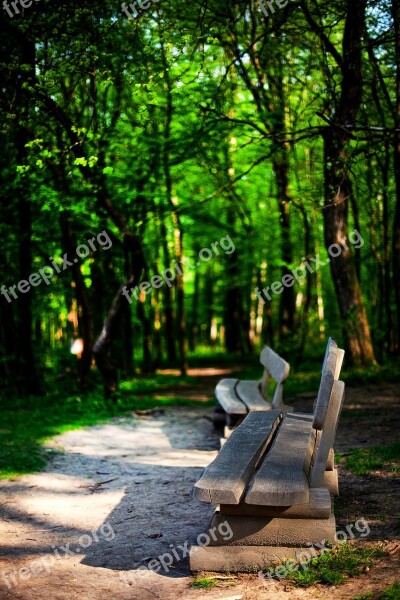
(145, 443)
(48, 501)
(177, 458)
(199, 372)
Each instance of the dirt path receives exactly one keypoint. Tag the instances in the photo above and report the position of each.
(114, 497)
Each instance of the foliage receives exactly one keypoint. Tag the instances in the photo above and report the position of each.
(335, 566)
(391, 593)
(364, 461)
(174, 130)
(204, 583)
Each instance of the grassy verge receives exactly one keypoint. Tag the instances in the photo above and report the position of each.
(27, 423)
(362, 462)
(204, 583)
(391, 593)
(333, 567)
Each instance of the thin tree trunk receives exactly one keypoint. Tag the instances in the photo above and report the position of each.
(147, 366)
(309, 280)
(180, 297)
(29, 378)
(287, 305)
(396, 222)
(194, 315)
(386, 253)
(208, 304)
(157, 343)
(168, 295)
(28, 374)
(166, 151)
(101, 349)
(84, 314)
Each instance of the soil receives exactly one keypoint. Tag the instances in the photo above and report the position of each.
(115, 496)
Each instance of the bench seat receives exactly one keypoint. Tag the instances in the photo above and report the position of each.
(249, 392)
(233, 409)
(226, 479)
(237, 398)
(282, 478)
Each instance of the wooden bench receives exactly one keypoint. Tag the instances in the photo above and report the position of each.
(235, 398)
(273, 481)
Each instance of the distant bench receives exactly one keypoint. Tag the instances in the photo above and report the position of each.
(272, 480)
(235, 398)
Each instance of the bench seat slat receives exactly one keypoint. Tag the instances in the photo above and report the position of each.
(281, 479)
(226, 396)
(249, 393)
(319, 507)
(225, 479)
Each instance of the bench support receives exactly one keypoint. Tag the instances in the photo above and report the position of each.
(244, 559)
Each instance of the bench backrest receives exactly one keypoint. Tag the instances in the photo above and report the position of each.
(331, 368)
(324, 440)
(277, 368)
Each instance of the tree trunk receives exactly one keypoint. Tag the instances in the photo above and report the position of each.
(396, 222)
(8, 342)
(168, 296)
(304, 322)
(101, 348)
(193, 328)
(147, 365)
(28, 374)
(287, 305)
(338, 190)
(84, 314)
(166, 158)
(180, 301)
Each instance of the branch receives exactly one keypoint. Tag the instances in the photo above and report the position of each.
(329, 47)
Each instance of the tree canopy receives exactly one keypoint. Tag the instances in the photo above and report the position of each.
(213, 150)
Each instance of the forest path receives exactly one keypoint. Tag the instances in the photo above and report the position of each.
(115, 496)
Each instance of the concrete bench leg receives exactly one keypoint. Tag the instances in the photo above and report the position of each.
(224, 559)
(219, 418)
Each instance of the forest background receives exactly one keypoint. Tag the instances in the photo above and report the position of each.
(173, 130)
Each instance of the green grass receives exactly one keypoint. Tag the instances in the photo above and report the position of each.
(333, 567)
(26, 424)
(204, 583)
(391, 593)
(363, 461)
(357, 413)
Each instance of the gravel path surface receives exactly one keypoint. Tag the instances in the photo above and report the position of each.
(123, 491)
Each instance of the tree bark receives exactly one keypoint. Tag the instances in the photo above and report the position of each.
(338, 190)
(166, 158)
(396, 222)
(85, 314)
(287, 304)
(101, 348)
(29, 377)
